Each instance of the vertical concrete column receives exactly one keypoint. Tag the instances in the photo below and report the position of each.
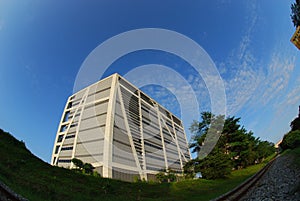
(107, 147)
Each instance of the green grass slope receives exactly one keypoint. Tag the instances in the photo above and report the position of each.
(34, 179)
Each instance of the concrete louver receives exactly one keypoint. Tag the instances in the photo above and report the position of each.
(121, 131)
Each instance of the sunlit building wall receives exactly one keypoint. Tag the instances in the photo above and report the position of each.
(121, 131)
(296, 38)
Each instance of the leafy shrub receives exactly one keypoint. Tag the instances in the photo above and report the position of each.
(85, 168)
(166, 176)
(161, 177)
(291, 140)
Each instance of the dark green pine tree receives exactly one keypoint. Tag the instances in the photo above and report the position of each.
(295, 7)
(295, 124)
(236, 147)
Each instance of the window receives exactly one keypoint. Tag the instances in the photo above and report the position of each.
(63, 128)
(70, 136)
(60, 138)
(66, 148)
(73, 125)
(56, 149)
(69, 104)
(64, 160)
(66, 117)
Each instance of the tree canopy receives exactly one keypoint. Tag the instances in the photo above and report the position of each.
(291, 140)
(295, 124)
(295, 7)
(236, 148)
(86, 168)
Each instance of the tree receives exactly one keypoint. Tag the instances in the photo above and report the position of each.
(235, 148)
(295, 7)
(264, 149)
(241, 148)
(215, 165)
(161, 177)
(295, 124)
(86, 168)
(189, 169)
(200, 130)
(291, 140)
(166, 176)
(78, 163)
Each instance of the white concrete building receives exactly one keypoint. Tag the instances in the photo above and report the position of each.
(121, 131)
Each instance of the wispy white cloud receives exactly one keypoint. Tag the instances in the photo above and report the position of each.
(272, 102)
(293, 98)
(283, 110)
(244, 75)
(253, 82)
(272, 86)
(187, 92)
(277, 77)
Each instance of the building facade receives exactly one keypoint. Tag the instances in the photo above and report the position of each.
(121, 131)
(296, 38)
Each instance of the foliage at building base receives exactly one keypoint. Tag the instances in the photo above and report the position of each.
(85, 168)
(236, 148)
(166, 176)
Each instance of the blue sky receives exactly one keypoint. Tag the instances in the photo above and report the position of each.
(43, 44)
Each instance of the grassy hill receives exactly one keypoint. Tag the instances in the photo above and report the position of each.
(34, 179)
